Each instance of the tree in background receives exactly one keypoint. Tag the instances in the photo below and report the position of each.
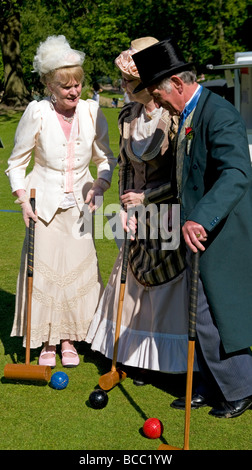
(207, 31)
(15, 91)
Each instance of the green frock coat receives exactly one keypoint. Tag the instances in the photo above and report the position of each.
(217, 193)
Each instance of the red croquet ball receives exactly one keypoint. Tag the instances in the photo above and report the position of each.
(153, 428)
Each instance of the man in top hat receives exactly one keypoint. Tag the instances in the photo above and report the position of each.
(213, 177)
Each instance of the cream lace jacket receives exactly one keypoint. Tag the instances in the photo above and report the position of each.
(39, 135)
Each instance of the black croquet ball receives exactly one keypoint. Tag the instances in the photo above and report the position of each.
(98, 399)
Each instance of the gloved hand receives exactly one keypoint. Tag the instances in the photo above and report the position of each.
(95, 195)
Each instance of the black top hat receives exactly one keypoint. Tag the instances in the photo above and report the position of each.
(158, 61)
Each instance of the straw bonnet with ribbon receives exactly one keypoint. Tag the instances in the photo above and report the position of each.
(54, 53)
(159, 61)
(125, 62)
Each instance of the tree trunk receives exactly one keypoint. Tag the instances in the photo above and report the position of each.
(15, 92)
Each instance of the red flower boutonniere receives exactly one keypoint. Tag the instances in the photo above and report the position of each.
(189, 133)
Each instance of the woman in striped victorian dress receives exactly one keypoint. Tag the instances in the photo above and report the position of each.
(154, 325)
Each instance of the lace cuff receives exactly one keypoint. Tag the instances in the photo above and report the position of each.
(22, 199)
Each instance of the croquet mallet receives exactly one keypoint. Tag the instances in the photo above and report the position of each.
(191, 348)
(28, 371)
(116, 375)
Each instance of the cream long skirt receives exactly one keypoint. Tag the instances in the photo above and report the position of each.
(67, 285)
(154, 326)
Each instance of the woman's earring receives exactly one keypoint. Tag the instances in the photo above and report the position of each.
(53, 99)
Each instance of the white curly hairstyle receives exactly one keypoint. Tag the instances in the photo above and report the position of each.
(54, 53)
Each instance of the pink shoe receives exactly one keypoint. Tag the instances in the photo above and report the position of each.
(49, 361)
(69, 361)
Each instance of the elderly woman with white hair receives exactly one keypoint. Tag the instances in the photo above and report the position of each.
(64, 133)
(154, 327)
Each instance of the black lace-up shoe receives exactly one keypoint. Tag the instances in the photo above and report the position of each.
(198, 401)
(231, 409)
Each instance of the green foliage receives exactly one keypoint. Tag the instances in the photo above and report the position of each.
(8, 6)
(1, 72)
(207, 31)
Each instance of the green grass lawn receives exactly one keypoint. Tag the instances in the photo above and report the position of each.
(37, 417)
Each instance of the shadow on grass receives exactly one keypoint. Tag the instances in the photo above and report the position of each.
(139, 411)
(12, 345)
(173, 384)
(102, 363)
